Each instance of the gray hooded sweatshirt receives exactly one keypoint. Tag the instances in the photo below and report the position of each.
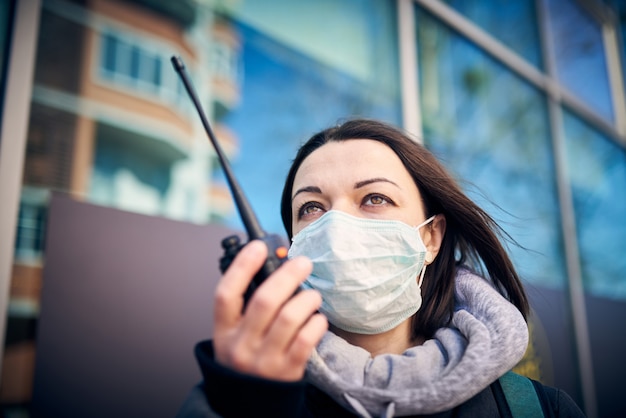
(486, 338)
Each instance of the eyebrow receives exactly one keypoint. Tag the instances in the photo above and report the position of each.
(357, 185)
(374, 180)
(309, 189)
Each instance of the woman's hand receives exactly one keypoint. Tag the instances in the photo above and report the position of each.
(276, 334)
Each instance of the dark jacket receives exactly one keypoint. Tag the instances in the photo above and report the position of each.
(231, 394)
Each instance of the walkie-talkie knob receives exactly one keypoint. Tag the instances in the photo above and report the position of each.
(231, 246)
(230, 242)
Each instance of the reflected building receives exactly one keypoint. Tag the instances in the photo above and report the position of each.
(111, 124)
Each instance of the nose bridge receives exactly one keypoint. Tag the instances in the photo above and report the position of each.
(343, 203)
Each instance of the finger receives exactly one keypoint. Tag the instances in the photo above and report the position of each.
(269, 298)
(231, 288)
(290, 365)
(290, 319)
(306, 340)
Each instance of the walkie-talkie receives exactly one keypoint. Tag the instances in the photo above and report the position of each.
(277, 251)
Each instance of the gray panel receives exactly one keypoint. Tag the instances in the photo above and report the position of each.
(125, 298)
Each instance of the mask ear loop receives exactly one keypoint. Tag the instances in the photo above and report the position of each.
(427, 221)
(419, 282)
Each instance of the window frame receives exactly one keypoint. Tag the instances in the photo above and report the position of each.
(558, 97)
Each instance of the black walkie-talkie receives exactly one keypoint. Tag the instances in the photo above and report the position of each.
(277, 251)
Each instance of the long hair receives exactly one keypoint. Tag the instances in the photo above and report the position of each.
(471, 238)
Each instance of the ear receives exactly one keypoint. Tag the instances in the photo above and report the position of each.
(433, 237)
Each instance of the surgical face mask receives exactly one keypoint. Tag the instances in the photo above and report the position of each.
(366, 270)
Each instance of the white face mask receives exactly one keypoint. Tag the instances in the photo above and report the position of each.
(365, 269)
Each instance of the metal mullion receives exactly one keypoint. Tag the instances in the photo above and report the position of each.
(13, 134)
(518, 65)
(616, 82)
(576, 293)
(409, 75)
(556, 95)
(568, 222)
(609, 23)
(584, 112)
(486, 42)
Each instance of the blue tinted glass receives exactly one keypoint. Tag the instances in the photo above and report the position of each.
(597, 170)
(156, 76)
(135, 57)
(296, 82)
(109, 50)
(123, 60)
(514, 23)
(149, 68)
(579, 54)
(30, 231)
(491, 129)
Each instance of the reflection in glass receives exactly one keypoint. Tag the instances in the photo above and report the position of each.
(492, 130)
(579, 54)
(514, 23)
(299, 78)
(127, 172)
(597, 172)
(127, 64)
(110, 122)
(31, 219)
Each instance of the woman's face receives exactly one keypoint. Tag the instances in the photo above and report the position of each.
(361, 177)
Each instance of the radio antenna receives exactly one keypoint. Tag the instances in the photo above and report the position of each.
(248, 217)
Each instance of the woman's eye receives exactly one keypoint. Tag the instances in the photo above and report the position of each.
(309, 208)
(376, 200)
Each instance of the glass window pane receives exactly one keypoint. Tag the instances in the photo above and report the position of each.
(304, 69)
(126, 62)
(135, 60)
(514, 23)
(156, 75)
(579, 53)
(123, 58)
(109, 48)
(498, 143)
(219, 60)
(130, 175)
(149, 70)
(29, 237)
(597, 171)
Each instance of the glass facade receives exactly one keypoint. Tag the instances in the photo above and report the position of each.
(139, 67)
(298, 81)
(514, 23)
(579, 54)
(497, 144)
(111, 124)
(597, 173)
(542, 162)
(130, 61)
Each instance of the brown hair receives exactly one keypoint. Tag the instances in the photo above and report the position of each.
(471, 237)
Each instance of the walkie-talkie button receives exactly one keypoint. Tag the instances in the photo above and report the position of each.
(281, 252)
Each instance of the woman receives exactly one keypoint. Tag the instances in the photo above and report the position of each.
(390, 319)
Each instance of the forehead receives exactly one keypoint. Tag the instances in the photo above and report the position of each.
(351, 160)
